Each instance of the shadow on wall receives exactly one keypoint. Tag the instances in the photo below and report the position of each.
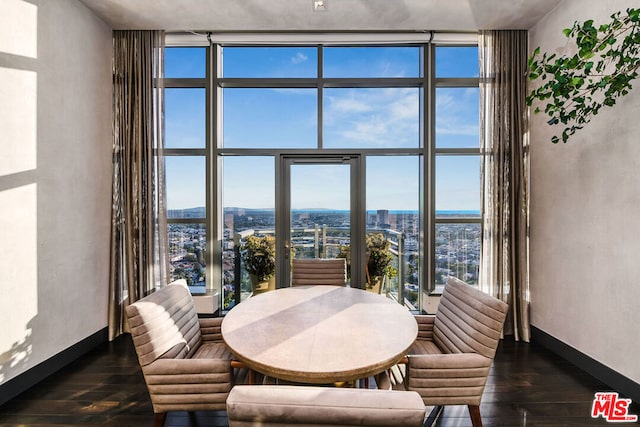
(13, 360)
(55, 180)
(18, 184)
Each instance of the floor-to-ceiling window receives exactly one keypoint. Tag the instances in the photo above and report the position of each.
(326, 148)
(456, 237)
(186, 124)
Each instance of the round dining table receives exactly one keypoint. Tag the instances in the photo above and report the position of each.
(319, 334)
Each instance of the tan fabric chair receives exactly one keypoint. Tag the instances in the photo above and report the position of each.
(450, 360)
(319, 271)
(271, 406)
(185, 363)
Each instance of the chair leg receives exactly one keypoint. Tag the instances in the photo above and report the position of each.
(158, 419)
(474, 412)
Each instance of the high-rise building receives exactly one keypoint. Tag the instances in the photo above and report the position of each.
(383, 216)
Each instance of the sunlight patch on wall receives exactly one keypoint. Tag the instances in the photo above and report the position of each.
(18, 274)
(18, 121)
(19, 28)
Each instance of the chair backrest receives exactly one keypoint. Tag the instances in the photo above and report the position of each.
(164, 324)
(319, 271)
(468, 320)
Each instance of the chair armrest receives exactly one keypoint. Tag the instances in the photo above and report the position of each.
(448, 379)
(179, 384)
(450, 362)
(425, 326)
(210, 329)
(425, 331)
(178, 367)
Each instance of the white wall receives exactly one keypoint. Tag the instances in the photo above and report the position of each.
(55, 178)
(585, 217)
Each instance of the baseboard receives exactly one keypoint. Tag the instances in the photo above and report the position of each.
(613, 379)
(32, 376)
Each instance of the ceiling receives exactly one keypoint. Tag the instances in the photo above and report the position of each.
(342, 15)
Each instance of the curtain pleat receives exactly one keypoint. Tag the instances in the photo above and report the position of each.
(505, 174)
(138, 223)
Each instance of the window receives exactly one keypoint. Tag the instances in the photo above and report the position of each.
(234, 142)
(371, 62)
(362, 102)
(185, 112)
(269, 118)
(371, 118)
(188, 62)
(457, 166)
(185, 165)
(248, 207)
(271, 62)
(393, 200)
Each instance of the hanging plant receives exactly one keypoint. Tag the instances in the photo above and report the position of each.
(575, 87)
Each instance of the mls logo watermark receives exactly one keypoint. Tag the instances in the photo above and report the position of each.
(610, 407)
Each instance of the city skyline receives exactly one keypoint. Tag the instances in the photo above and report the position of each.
(323, 233)
(311, 209)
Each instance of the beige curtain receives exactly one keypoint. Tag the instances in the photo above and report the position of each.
(505, 174)
(138, 222)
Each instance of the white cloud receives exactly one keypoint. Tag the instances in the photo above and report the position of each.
(390, 116)
(349, 105)
(372, 117)
(457, 112)
(299, 58)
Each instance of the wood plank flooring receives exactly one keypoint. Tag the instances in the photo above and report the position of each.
(528, 386)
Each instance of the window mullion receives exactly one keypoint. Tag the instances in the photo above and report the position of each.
(320, 86)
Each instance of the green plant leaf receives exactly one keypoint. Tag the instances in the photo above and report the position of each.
(575, 87)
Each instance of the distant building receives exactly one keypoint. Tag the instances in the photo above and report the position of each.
(228, 220)
(383, 216)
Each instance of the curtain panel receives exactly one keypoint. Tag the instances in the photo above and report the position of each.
(505, 174)
(138, 221)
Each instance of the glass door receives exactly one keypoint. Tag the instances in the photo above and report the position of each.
(320, 212)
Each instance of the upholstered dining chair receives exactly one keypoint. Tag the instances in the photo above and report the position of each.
(451, 358)
(185, 363)
(319, 271)
(277, 406)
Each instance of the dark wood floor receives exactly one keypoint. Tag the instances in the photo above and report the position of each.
(528, 386)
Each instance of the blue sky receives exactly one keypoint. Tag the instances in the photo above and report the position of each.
(353, 118)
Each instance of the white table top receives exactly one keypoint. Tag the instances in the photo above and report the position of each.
(319, 334)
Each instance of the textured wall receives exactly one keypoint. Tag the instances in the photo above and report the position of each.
(55, 178)
(585, 217)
